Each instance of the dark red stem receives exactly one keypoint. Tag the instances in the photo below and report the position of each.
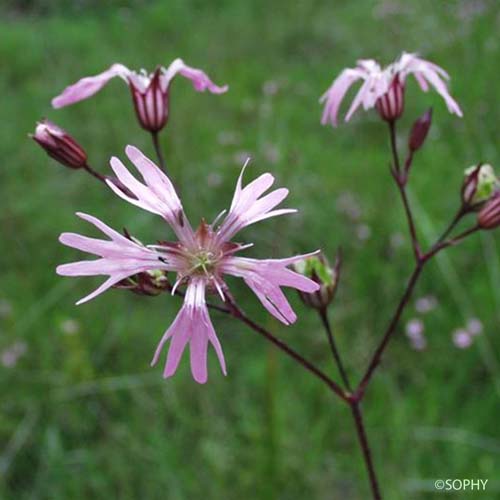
(323, 314)
(239, 314)
(365, 448)
(159, 152)
(94, 173)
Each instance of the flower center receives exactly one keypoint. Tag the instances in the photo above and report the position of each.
(203, 262)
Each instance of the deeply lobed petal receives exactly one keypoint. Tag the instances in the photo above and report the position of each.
(88, 86)
(367, 70)
(426, 73)
(192, 325)
(119, 257)
(266, 277)
(157, 195)
(248, 207)
(335, 94)
(200, 80)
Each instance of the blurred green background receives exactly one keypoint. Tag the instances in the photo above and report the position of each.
(84, 416)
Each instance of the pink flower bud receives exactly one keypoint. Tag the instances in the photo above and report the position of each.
(151, 103)
(59, 145)
(391, 105)
(150, 283)
(318, 269)
(489, 216)
(480, 184)
(420, 130)
(469, 187)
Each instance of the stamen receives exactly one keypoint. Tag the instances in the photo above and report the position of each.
(218, 217)
(176, 284)
(219, 289)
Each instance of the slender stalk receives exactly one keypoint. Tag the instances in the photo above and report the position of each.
(390, 330)
(159, 152)
(94, 173)
(239, 314)
(440, 245)
(458, 216)
(394, 148)
(365, 448)
(323, 314)
(411, 222)
(401, 179)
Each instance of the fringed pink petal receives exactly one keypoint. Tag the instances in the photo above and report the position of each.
(273, 299)
(192, 325)
(334, 96)
(249, 206)
(200, 80)
(120, 257)
(88, 86)
(112, 280)
(181, 333)
(266, 277)
(198, 348)
(157, 195)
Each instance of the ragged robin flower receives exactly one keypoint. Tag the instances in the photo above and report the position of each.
(150, 92)
(200, 258)
(384, 88)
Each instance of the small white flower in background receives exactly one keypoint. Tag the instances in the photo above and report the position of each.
(272, 153)
(347, 204)
(228, 138)
(414, 328)
(5, 308)
(70, 326)
(415, 333)
(363, 232)
(462, 338)
(270, 87)
(426, 304)
(397, 240)
(474, 326)
(10, 356)
(242, 156)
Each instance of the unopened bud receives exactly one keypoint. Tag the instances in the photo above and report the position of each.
(479, 185)
(419, 131)
(391, 105)
(59, 145)
(319, 270)
(489, 216)
(150, 283)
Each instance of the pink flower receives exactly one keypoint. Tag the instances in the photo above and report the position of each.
(384, 88)
(200, 258)
(150, 92)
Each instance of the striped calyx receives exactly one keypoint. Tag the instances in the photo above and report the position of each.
(489, 215)
(391, 104)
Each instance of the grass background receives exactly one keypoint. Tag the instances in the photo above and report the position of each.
(83, 415)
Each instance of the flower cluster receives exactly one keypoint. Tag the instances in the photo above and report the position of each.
(201, 258)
